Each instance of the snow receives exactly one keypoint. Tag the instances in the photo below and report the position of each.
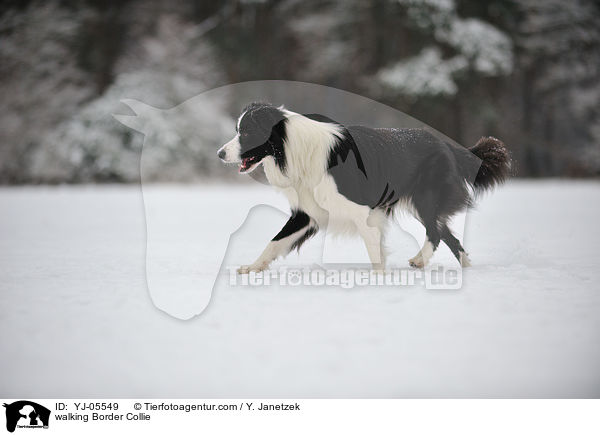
(77, 320)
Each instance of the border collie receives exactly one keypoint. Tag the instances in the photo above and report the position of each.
(352, 178)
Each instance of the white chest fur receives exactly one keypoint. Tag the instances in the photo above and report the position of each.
(319, 199)
(306, 183)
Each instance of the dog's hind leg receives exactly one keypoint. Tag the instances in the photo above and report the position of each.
(455, 246)
(299, 228)
(426, 209)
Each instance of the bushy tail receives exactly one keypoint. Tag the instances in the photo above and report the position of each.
(495, 163)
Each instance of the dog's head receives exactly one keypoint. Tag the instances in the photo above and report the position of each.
(260, 134)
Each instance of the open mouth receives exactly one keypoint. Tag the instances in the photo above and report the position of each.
(248, 163)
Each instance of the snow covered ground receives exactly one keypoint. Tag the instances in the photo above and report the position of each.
(77, 320)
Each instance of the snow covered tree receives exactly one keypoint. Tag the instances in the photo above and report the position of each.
(559, 45)
(472, 43)
(162, 70)
(42, 83)
(525, 71)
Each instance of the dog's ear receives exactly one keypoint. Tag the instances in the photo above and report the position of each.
(277, 133)
(275, 144)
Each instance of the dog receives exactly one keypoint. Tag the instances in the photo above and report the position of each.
(351, 179)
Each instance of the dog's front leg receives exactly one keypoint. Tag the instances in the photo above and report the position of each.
(296, 231)
(371, 228)
(374, 243)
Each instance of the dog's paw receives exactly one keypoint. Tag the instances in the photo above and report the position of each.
(252, 268)
(464, 259)
(417, 262)
(243, 269)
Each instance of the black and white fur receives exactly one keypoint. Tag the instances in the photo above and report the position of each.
(351, 179)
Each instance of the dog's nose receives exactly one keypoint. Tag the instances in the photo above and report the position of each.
(221, 154)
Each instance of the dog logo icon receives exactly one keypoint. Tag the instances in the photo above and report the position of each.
(26, 414)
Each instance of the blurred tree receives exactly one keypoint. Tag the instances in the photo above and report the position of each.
(42, 82)
(559, 52)
(164, 69)
(525, 71)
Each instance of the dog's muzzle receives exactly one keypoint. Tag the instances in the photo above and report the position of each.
(230, 152)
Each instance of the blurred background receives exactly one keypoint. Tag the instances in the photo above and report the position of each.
(527, 72)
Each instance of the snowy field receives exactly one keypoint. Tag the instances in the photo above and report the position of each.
(77, 319)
